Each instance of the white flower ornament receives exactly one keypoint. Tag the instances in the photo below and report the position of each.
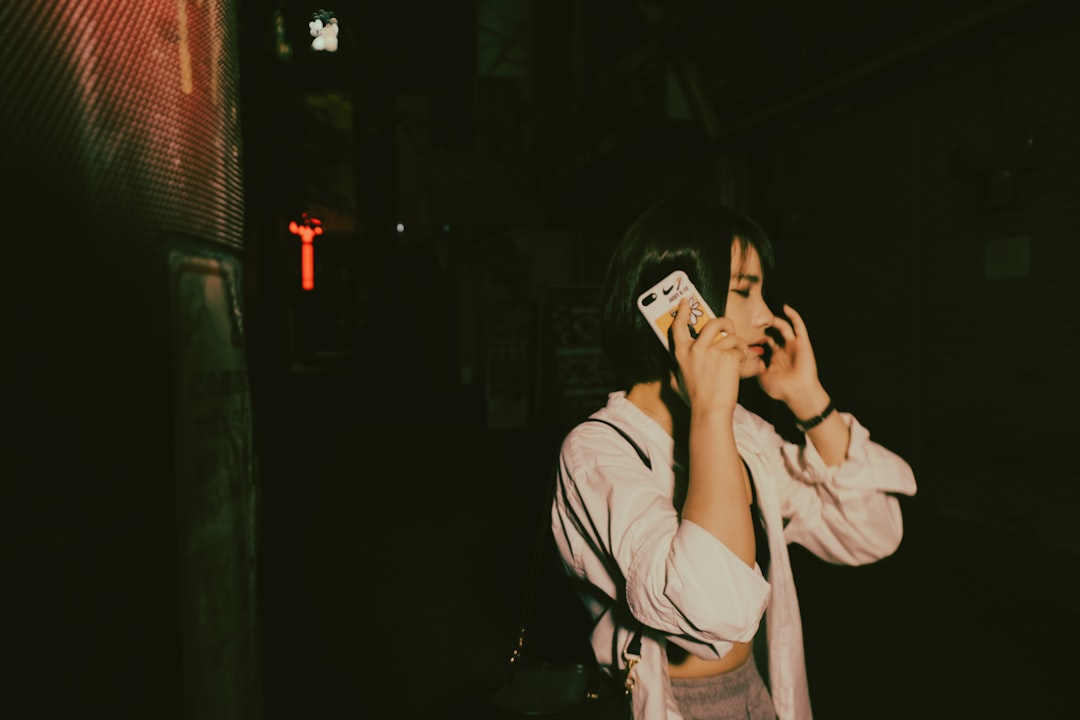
(324, 28)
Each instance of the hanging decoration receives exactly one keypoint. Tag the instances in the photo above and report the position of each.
(324, 28)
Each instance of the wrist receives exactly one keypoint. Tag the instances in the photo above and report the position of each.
(806, 424)
(713, 415)
(808, 404)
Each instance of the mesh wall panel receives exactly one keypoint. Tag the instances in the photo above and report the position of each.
(130, 532)
(129, 105)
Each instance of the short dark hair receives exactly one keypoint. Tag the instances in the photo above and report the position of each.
(675, 234)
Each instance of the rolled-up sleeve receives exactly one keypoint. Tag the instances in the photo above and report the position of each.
(618, 524)
(709, 594)
(847, 513)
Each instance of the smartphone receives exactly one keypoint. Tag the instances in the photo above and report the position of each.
(660, 302)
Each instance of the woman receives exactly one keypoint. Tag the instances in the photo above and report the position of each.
(691, 543)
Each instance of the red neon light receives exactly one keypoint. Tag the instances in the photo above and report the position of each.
(307, 229)
(307, 266)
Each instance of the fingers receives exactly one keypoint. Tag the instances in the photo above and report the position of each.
(682, 331)
(784, 327)
(793, 346)
(680, 326)
(716, 328)
(796, 320)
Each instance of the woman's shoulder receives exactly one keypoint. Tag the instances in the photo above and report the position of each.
(617, 414)
(610, 435)
(600, 429)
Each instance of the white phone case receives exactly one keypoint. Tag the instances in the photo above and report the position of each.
(660, 302)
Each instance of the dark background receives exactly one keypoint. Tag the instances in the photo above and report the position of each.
(473, 164)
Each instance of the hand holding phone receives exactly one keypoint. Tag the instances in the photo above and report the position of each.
(660, 302)
(710, 366)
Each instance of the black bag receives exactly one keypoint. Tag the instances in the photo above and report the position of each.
(564, 685)
(567, 690)
(563, 688)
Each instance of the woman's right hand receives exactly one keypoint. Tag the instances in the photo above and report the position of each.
(709, 366)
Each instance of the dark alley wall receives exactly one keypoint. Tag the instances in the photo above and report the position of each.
(128, 495)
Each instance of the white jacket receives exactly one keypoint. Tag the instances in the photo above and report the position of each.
(616, 528)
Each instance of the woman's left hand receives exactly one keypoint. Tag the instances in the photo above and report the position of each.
(792, 371)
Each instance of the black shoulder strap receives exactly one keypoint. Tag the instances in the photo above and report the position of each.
(633, 651)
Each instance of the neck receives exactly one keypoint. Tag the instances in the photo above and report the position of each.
(656, 400)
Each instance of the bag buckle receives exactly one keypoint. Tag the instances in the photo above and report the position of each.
(631, 661)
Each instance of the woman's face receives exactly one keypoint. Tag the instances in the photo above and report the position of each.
(746, 307)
